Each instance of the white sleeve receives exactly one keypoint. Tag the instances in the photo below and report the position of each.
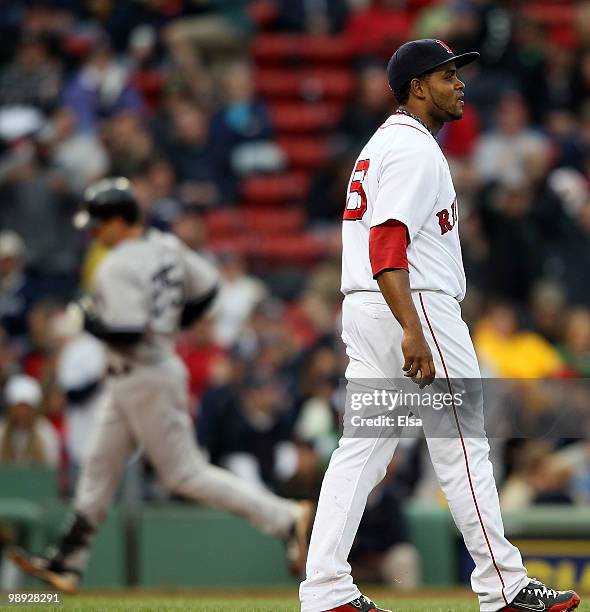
(121, 297)
(201, 276)
(407, 186)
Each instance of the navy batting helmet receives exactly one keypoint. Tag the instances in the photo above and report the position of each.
(107, 198)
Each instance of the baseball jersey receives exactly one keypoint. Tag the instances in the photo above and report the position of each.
(143, 284)
(402, 174)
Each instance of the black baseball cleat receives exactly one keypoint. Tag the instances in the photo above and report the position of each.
(297, 544)
(360, 604)
(50, 571)
(536, 597)
(63, 564)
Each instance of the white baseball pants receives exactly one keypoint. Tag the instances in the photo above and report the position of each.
(147, 408)
(373, 343)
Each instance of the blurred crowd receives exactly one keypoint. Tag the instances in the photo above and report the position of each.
(163, 91)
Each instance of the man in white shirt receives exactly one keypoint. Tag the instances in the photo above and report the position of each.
(403, 279)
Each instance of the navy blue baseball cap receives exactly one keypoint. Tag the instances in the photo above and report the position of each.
(419, 56)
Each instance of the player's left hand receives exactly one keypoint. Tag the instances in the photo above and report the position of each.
(418, 362)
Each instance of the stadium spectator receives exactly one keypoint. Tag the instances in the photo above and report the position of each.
(541, 476)
(514, 240)
(239, 295)
(266, 338)
(146, 75)
(241, 130)
(568, 141)
(572, 256)
(18, 291)
(154, 183)
(547, 305)
(488, 25)
(192, 155)
(316, 422)
(200, 352)
(187, 76)
(129, 143)
(120, 19)
(459, 139)
(190, 227)
(80, 155)
(218, 31)
(501, 154)
(311, 318)
(39, 357)
(317, 18)
(507, 351)
(34, 195)
(552, 84)
(100, 88)
(369, 109)
(25, 437)
(575, 349)
(34, 78)
(250, 434)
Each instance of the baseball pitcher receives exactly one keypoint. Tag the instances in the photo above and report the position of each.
(403, 279)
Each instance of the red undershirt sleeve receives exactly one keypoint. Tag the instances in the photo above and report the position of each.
(387, 246)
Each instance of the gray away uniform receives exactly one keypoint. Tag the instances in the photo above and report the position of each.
(143, 285)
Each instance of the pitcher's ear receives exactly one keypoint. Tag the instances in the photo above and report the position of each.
(417, 88)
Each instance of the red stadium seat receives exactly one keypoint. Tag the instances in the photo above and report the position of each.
(275, 189)
(273, 221)
(281, 48)
(298, 117)
(240, 245)
(297, 249)
(268, 221)
(307, 85)
(304, 153)
(223, 222)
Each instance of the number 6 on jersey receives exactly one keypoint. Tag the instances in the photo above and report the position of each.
(356, 200)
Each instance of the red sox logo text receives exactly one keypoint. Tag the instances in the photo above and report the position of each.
(447, 219)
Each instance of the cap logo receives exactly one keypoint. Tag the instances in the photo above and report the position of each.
(440, 42)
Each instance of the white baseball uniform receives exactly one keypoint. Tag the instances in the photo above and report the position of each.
(143, 284)
(401, 174)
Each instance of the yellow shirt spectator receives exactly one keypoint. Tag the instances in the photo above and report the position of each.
(510, 352)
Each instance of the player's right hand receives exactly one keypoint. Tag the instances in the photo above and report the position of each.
(418, 363)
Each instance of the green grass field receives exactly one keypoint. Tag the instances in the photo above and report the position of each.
(256, 602)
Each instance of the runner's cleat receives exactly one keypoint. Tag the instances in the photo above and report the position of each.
(50, 571)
